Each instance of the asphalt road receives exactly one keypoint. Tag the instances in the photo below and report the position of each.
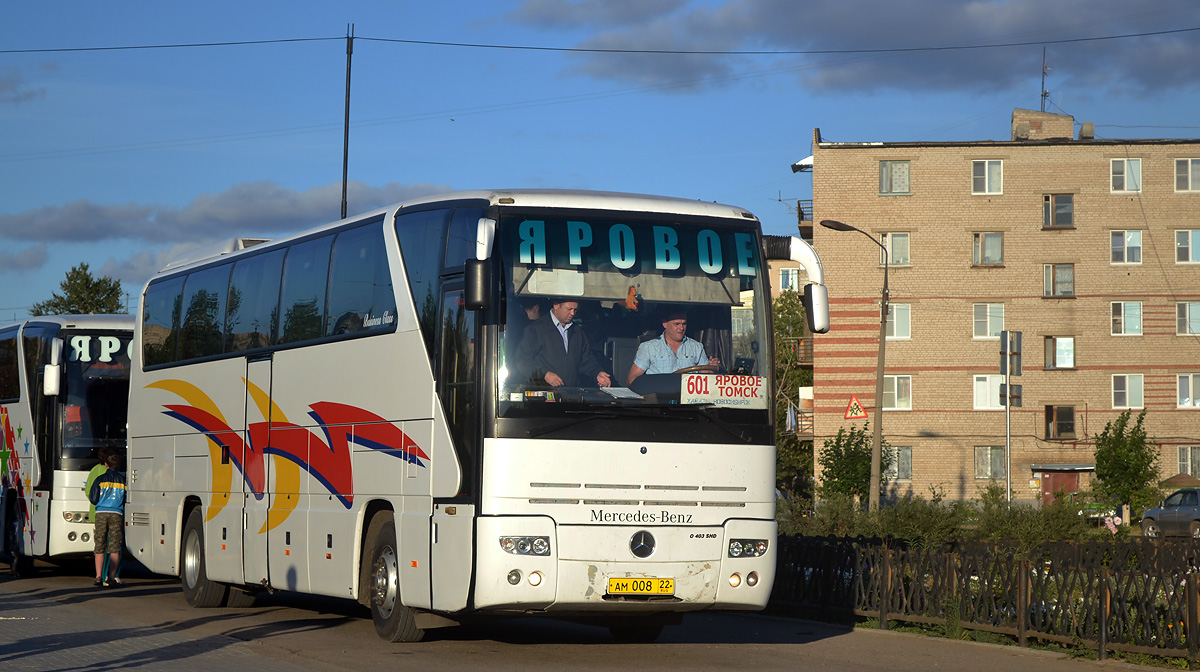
(147, 625)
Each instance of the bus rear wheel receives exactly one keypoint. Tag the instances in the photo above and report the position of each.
(198, 590)
(394, 622)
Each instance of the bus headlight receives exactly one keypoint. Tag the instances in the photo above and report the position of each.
(75, 516)
(526, 545)
(747, 548)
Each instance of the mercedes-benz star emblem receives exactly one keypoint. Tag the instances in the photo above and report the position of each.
(642, 544)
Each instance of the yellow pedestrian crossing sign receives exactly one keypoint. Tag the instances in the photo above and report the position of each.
(855, 410)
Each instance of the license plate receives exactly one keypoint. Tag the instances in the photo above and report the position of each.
(632, 586)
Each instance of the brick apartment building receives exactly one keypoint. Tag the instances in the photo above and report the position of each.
(1089, 247)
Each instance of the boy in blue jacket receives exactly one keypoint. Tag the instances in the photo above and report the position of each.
(108, 494)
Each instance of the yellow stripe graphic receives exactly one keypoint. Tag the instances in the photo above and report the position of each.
(222, 474)
(287, 473)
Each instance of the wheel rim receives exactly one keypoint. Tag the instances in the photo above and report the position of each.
(385, 578)
(191, 560)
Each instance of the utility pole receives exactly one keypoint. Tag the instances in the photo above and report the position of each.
(346, 124)
(1010, 396)
(1045, 93)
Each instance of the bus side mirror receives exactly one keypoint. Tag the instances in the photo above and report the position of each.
(478, 284)
(816, 307)
(52, 373)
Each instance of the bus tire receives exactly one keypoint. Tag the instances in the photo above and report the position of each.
(197, 589)
(394, 622)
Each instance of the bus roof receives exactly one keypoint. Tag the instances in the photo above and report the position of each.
(508, 198)
(589, 200)
(117, 322)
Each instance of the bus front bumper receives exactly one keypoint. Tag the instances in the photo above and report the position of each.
(591, 568)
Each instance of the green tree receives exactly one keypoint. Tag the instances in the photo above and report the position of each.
(794, 458)
(846, 463)
(1127, 468)
(82, 294)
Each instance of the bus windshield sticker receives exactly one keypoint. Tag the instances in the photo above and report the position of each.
(728, 391)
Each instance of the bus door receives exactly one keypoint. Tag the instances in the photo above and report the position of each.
(257, 483)
(457, 388)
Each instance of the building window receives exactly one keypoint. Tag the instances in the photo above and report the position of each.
(899, 321)
(1189, 390)
(896, 245)
(988, 249)
(1058, 211)
(1060, 352)
(987, 392)
(897, 393)
(901, 467)
(789, 279)
(1060, 280)
(893, 177)
(989, 462)
(1126, 247)
(1126, 318)
(1126, 174)
(987, 177)
(1189, 460)
(1187, 174)
(1127, 390)
(1187, 318)
(1060, 422)
(1187, 246)
(989, 320)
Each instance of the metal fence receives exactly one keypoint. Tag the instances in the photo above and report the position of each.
(1132, 595)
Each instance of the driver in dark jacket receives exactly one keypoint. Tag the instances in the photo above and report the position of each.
(557, 351)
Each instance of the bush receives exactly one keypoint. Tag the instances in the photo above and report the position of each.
(925, 522)
(933, 521)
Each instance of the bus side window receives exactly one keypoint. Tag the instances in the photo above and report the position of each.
(160, 321)
(252, 320)
(421, 243)
(10, 369)
(201, 329)
(460, 238)
(360, 284)
(305, 276)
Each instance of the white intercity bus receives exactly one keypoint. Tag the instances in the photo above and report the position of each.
(344, 412)
(64, 391)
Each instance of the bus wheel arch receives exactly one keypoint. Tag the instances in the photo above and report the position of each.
(380, 573)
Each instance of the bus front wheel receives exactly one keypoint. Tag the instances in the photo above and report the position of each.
(394, 622)
(197, 589)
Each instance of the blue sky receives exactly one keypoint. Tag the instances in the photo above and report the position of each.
(123, 158)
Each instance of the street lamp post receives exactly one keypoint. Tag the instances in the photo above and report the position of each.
(877, 447)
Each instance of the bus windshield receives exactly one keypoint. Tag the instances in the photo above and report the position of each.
(672, 310)
(94, 396)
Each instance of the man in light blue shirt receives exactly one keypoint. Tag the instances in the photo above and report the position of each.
(670, 352)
